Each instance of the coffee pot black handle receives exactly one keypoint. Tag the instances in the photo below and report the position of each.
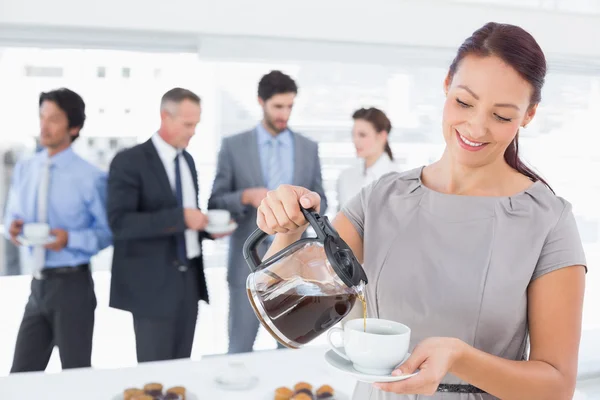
(250, 250)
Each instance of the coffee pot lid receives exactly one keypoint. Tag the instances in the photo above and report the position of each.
(340, 256)
(338, 253)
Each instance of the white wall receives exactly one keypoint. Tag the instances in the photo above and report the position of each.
(438, 24)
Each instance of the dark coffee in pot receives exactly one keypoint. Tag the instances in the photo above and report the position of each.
(303, 317)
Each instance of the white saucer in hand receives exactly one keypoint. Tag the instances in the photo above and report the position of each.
(346, 367)
(36, 241)
(220, 229)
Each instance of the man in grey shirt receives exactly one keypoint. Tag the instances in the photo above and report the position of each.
(250, 164)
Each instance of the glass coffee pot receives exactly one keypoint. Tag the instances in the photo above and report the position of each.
(306, 288)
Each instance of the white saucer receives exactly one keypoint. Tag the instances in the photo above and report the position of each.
(36, 242)
(188, 396)
(346, 367)
(221, 229)
(236, 376)
(248, 384)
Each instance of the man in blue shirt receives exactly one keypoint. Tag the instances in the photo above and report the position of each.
(58, 190)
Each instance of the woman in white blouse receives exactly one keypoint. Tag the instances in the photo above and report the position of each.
(370, 136)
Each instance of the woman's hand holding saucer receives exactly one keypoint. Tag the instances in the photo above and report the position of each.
(434, 358)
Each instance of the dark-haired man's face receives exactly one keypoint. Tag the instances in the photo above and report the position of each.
(277, 111)
(54, 127)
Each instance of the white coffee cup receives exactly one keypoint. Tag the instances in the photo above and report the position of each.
(218, 217)
(36, 230)
(379, 350)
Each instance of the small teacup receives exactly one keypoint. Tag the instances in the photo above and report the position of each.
(36, 231)
(218, 217)
(379, 350)
(236, 376)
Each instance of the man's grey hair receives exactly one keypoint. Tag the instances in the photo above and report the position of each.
(174, 97)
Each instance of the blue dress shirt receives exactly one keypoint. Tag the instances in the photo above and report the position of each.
(76, 204)
(286, 156)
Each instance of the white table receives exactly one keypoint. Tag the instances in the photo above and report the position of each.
(274, 368)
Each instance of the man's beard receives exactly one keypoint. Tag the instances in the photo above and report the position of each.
(272, 126)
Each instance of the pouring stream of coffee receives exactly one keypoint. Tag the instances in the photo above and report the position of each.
(363, 299)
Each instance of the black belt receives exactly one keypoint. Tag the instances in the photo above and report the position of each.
(184, 266)
(47, 273)
(448, 388)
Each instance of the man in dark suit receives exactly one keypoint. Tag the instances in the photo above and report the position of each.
(157, 270)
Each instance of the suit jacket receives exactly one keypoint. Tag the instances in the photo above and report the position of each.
(239, 168)
(144, 217)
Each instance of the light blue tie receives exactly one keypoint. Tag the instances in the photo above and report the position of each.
(275, 168)
(39, 252)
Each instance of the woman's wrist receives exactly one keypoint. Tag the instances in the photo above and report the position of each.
(296, 234)
(289, 238)
(461, 352)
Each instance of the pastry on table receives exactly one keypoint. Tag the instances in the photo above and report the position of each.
(132, 392)
(153, 389)
(302, 396)
(153, 386)
(303, 387)
(283, 393)
(143, 397)
(178, 390)
(171, 396)
(325, 392)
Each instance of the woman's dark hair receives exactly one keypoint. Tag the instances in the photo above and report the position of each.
(517, 48)
(380, 122)
(70, 103)
(276, 82)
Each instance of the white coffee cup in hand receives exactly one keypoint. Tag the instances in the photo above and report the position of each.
(379, 350)
(36, 231)
(218, 217)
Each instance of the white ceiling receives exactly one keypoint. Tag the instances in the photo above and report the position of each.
(267, 26)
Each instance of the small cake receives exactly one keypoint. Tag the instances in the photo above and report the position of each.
(172, 396)
(325, 392)
(153, 386)
(155, 394)
(303, 387)
(153, 389)
(178, 390)
(302, 396)
(143, 397)
(283, 393)
(131, 392)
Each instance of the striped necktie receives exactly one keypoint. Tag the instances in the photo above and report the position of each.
(275, 167)
(39, 252)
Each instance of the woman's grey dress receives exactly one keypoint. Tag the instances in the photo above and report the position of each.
(459, 266)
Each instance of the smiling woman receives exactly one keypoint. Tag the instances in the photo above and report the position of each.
(474, 252)
(491, 66)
